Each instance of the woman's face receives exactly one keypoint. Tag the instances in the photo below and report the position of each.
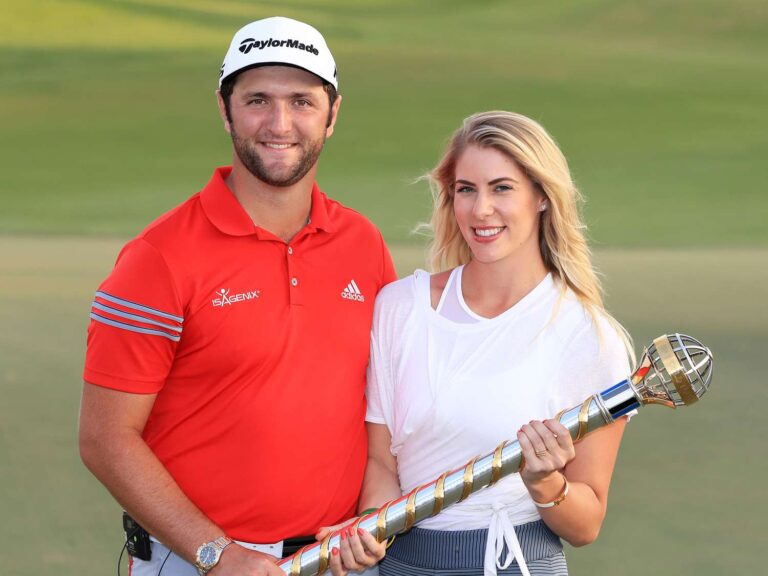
(496, 206)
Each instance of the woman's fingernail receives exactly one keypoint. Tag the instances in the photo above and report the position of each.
(335, 551)
(360, 531)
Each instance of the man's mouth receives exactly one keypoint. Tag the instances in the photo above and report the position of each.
(277, 146)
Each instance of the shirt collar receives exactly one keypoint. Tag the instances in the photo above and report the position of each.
(225, 212)
(319, 219)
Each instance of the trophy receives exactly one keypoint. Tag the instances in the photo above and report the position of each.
(674, 371)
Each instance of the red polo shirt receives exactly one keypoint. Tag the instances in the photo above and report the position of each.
(256, 349)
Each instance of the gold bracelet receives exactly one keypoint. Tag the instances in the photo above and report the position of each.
(557, 501)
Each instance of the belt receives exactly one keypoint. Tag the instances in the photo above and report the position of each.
(293, 545)
(281, 549)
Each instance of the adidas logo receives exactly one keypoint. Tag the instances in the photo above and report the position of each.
(352, 292)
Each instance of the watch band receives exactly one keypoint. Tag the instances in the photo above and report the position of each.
(218, 545)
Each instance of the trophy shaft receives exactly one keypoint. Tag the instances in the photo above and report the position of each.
(455, 486)
(674, 371)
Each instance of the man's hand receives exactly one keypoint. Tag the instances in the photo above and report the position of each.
(239, 561)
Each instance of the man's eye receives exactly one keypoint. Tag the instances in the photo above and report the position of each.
(258, 101)
(303, 103)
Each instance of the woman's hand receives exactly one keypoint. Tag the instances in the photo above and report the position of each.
(547, 448)
(357, 549)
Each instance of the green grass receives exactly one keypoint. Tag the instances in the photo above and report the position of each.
(108, 118)
(108, 112)
(687, 497)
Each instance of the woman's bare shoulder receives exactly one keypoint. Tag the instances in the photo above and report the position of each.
(437, 283)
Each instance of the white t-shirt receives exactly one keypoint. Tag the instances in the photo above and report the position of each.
(449, 391)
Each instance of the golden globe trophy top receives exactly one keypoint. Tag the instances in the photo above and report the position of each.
(674, 371)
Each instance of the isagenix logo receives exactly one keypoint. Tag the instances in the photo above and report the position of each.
(224, 299)
(250, 43)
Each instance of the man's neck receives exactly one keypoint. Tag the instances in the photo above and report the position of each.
(281, 210)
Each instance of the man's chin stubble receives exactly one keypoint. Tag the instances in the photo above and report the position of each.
(251, 160)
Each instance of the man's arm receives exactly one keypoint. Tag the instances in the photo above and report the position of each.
(111, 446)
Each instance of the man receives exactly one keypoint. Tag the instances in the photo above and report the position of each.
(224, 375)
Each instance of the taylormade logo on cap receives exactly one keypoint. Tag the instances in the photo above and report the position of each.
(249, 43)
(278, 40)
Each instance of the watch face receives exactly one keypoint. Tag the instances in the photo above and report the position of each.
(208, 555)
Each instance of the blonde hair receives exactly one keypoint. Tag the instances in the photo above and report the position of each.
(562, 241)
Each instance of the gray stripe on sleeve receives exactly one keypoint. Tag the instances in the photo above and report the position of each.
(132, 328)
(140, 307)
(144, 319)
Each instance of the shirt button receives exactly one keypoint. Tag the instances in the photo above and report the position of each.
(294, 282)
(290, 250)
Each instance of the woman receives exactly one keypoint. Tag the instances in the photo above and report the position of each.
(512, 328)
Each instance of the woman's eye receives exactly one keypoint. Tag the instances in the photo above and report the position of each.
(464, 189)
(502, 188)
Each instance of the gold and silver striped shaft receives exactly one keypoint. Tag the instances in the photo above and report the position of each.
(674, 371)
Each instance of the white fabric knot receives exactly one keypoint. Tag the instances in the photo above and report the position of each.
(501, 532)
(499, 509)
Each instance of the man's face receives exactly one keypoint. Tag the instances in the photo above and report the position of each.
(279, 122)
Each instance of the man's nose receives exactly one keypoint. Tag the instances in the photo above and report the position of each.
(280, 120)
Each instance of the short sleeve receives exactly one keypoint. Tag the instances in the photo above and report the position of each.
(398, 343)
(376, 388)
(136, 323)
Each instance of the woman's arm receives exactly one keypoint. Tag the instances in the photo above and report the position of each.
(381, 483)
(359, 550)
(588, 466)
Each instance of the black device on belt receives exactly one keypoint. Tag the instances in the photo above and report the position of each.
(293, 545)
(136, 539)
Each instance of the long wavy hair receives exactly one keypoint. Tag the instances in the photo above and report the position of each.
(562, 238)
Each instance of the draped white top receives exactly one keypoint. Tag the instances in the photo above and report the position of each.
(450, 387)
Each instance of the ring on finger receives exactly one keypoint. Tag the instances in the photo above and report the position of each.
(541, 453)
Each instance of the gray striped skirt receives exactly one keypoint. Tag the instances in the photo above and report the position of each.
(423, 552)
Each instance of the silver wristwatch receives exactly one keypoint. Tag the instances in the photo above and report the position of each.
(208, 554)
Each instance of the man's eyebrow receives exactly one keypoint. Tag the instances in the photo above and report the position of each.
(262, 94)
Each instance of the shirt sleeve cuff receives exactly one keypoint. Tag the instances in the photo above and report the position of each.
(374, 418)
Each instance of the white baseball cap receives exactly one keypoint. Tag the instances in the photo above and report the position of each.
(279, 40)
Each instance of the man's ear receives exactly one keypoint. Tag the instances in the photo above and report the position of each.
(334, 115)
(223, 112)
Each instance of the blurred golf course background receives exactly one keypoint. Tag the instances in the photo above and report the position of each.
(108, 118)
